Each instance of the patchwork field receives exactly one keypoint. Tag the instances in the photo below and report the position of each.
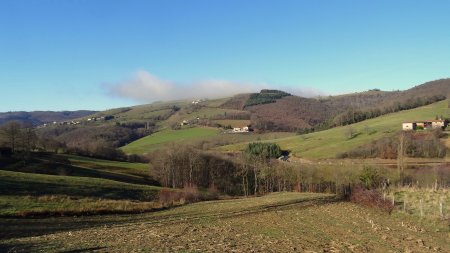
(122, 168)
(203, 112)
(328, 143)
(165, 137)
(140, 112)
(89, 161)
(281, 222)
(79, 166)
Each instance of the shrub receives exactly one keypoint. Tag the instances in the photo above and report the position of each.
(212, 193)
(168, 197)
(263, 149)
(191, 193)
(370, 198)
(369, 177)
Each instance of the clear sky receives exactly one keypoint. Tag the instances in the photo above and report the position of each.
(91, 54)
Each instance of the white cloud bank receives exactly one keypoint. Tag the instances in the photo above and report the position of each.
(145, 87)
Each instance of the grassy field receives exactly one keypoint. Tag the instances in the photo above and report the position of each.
(204, 112)
(328, 143)
(29, 192)
(423, 203)
(231, 138)
(165, 137)
(138, 169)
(78, 166)
(141, 112)
(63, 205)
(74, 159)
(281, 222)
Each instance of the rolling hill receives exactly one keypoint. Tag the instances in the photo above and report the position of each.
(168, 136)
(292, 113)
(266, 111)
(41, 117)
(54, 184)
(328, 143)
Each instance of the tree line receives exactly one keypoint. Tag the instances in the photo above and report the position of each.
(18, 137)
(101, 141)
(254, 171)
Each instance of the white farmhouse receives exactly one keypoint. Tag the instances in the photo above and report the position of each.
(245, 129)
(407, 126)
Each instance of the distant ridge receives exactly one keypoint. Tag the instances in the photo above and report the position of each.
(268, 110)
(41, 117)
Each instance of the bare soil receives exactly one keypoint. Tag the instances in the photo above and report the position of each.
(305, 224)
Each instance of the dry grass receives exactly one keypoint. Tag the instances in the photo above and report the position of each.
(423, 202)
(249, 225)
(62, 205)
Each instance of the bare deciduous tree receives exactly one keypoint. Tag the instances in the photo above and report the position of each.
(350, 132)
(11, 133)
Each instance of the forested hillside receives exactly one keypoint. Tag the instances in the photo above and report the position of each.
(41, 117)
(293, 113)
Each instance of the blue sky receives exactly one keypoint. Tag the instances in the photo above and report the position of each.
(90, 54)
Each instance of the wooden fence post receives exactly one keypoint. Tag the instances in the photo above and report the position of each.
(404, 204)
(421, 208)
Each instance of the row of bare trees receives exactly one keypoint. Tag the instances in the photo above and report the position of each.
(184, 166)
(252, 172)
(255, 171)
(18, 136)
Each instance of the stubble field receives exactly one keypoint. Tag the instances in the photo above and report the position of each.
(283, 222)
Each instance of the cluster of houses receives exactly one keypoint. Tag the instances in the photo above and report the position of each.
(422, 125)
(189, 122)
(196, 102)
(72, 122)
(245, 129)
(63, 123)
(109, 117)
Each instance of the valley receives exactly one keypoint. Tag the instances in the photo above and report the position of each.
(178, 177)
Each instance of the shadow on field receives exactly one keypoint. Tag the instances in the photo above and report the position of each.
(10, 248)
(15, 248)
(83, 250)
(17, 228)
